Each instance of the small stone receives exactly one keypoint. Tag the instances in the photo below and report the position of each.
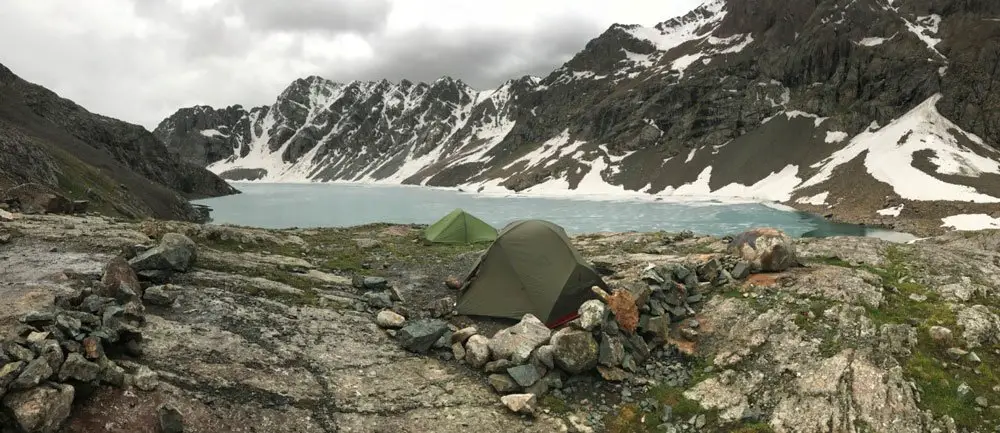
(612, 374)
(575, 351)
(612, 351)
(462, 335)
(444, 341)
(36, 372)
(544, 356)
(964, 391)
(171, 420)
(146, 379)
(940, 334)
(374, 283)
(420, 335)
(972, 357)
(367, 244)
(502, 383)
(453, 283)
(477, 351)
(517, 342)
(16, 351)
(525, 375)
(389, 319)
(982, 401)
(112, 374)
(689, 334)
(497, 366)
(77, 367)
(458, 351)
(520, 403)
(380, 299)
(957, 353)
(592, 314)
(917, 297)
(159, 295)
(36, 337)
(740, 270)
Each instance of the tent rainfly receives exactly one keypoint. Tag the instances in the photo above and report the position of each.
(460, 227)
(531, 268)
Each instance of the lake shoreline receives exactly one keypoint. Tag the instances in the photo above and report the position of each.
(578, 212)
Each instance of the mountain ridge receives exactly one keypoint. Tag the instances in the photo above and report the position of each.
(56, 145)
(699, 104)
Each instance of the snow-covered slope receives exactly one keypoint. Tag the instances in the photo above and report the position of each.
(760, 100)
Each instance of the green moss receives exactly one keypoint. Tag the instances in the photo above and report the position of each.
(682, 407)
(555, 404)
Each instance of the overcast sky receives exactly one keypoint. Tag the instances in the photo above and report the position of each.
(141, 60)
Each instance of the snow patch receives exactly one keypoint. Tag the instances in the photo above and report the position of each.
(213, 133)
(816, 200)
(890, 152)
(966, 222)
(871, 42)
(778, 186)
(891, 211)
(835, 136)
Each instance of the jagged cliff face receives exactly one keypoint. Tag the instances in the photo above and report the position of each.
(864, 105)
(119, 167)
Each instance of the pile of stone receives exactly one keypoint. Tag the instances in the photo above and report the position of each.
(56, 351)
(527, 360)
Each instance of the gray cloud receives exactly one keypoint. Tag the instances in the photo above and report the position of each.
(333, 16)
(481, 58)
(141, 60)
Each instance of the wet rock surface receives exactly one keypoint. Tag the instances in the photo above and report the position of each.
(253, 345)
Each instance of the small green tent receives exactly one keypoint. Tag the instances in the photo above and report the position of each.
(531, 268)
(459, 227)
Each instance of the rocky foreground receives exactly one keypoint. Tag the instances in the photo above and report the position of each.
(248, 330)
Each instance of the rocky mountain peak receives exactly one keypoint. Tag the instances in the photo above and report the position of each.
(750, 98)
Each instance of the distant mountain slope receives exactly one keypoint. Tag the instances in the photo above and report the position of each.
(119, 167)
(793, 100)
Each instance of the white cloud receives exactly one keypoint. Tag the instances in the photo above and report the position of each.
(140, 60)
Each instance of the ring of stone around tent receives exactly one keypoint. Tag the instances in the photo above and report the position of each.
(532, 267)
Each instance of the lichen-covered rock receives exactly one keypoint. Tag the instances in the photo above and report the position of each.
(477, 351)
(41, 409)
(979, 326)
(517, 342)
(592, 314)
(503, 383)
(574, 350)
(765, 249)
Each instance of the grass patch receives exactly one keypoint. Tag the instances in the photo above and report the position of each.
(682, 407)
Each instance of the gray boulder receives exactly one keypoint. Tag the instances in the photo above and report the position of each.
(517, 342)
(574, 350)
(420, 335)
(612, 350)
(765, 249)
(175, 252)
(77, 367)
(36, 372)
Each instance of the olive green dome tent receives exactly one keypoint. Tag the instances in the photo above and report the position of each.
(531, 268)
(459, 227)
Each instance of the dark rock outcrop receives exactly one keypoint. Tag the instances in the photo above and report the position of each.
(116, 167)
